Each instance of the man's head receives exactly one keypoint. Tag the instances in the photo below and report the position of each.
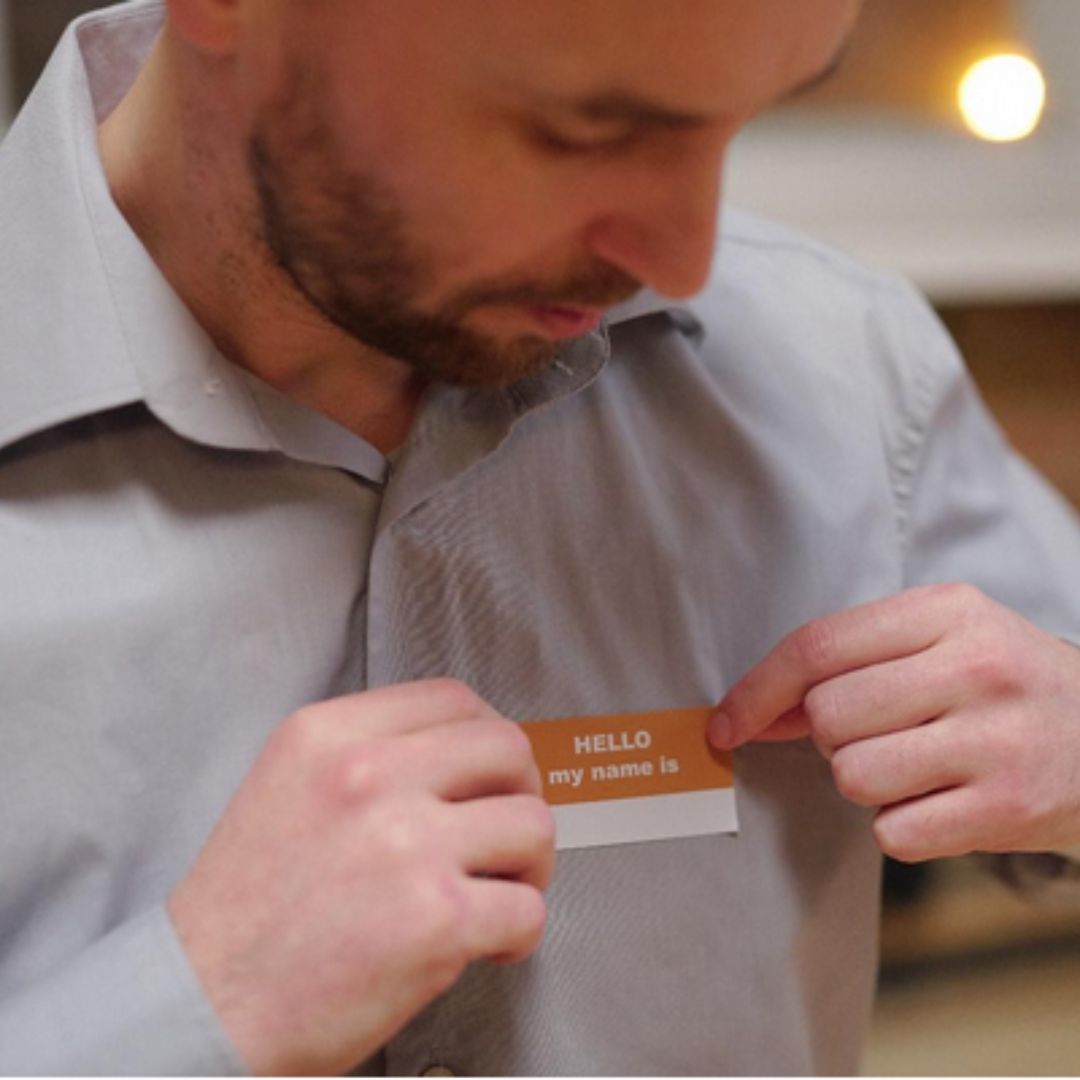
(462, 183)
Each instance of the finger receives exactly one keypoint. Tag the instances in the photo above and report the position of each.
(508, 837)
(886, 697)
(505, 921)
(474, 759)
(404, 708)
(937, 826)
(794, 724)
(906, 764)
(898, 626)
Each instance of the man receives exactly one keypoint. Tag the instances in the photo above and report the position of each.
(326, 452)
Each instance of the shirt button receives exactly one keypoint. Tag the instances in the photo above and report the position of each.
(438, 1070)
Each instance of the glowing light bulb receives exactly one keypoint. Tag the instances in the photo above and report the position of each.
(1002, 97)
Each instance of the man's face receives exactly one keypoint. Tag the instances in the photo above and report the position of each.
(461, 184)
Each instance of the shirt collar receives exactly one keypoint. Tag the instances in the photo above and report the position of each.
(646, 303)
(91, 322)
(59, 359)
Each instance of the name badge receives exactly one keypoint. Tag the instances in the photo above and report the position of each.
(635, 777)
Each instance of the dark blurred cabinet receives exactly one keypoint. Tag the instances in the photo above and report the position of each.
(35, 26)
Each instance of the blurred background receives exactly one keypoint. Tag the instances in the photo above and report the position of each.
(947, 150)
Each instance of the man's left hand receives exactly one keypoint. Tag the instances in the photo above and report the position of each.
(950, 713)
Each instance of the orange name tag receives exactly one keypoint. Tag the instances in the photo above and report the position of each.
(634, 777)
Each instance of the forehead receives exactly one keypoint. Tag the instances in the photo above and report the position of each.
(706, 48)
(707, 56)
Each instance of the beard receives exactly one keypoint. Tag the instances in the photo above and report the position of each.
(344, 241)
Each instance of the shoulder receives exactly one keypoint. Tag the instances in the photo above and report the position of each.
(781, 304)
(763, 265)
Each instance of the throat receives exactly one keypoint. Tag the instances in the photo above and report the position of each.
(388, 431)
(375, 403)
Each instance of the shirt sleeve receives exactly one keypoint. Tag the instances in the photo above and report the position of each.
(128, 1005)
(970, 509)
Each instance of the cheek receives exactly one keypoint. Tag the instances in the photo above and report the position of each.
(477, 203)
(479, 222)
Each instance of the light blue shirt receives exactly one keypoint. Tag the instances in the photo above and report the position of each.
(186, 557)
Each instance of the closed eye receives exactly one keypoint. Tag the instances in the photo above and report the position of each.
(555, 142)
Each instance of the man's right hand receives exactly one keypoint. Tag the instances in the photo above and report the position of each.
(380, 843)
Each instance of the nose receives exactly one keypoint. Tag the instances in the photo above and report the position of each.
(663, 232)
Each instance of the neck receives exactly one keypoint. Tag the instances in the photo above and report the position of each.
(178, 173)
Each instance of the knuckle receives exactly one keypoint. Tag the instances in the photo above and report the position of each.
(994, 669)
(545, 824)
(898, 840)
(537, 827)
(892, 844)
(361, 774)
(440, 916)
(822, 708)
(851, 777)
(532, 919)
(454, 696)
(437, 906)
(739, 701)
(917, 831)
(526, 921)
(401, 836)
(813, 645)
(962, 597)
(507, 741)
(518, 750)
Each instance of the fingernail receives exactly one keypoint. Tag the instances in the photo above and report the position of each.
(720, 730)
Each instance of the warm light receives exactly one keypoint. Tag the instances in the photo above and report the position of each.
(1002, 97)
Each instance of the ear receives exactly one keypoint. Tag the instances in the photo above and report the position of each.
(213, 26)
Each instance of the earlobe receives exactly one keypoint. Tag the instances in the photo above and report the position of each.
(209, 25)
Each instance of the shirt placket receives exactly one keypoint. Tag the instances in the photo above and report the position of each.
(456, 431)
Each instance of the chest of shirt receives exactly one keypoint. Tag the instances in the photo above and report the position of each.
(634, 548)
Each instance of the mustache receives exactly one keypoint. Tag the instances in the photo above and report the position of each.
(597, 286)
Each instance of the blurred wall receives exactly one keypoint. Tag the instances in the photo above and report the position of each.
(910, 190)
